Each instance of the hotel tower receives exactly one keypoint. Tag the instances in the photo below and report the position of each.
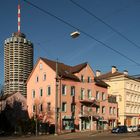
(18, 61)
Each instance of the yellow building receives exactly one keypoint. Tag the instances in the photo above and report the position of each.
(127, 90)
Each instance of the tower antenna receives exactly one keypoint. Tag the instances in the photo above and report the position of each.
(18, 16)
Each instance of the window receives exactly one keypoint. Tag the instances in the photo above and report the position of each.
(89, 109)
(40, 66)
(82, 109)
(97, 95)
(40, 107)
(44, 76)
(114, 110)
(103, 96)
(48, 106)
(82, 78)
(97, 110)
(72, 90)
(33, 93)
(41, 92)
(37, 78)
(103, 109)
(89, 94)
(68, 124)
(72, 107)
(48, 90)
(63, 89)
(110, 110)
(89, 79)
(33, 108)
(64, 106)
(82, 94)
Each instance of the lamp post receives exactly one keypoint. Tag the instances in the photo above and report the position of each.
(56, 101)
(35, 112)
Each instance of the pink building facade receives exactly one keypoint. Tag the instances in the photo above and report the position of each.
(71, 97)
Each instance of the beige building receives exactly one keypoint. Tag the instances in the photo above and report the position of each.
(127, 90)
(18, 63)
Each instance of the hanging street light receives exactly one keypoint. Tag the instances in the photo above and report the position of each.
(75, 34)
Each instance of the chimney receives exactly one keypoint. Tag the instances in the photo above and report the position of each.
(98, 73)
(125, 72)
(114, 69)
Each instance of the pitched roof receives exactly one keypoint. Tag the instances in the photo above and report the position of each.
(3, 97)
(65, 71)
(78, 68)
(109, 75)
(99, 82)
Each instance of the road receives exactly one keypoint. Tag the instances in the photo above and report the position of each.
(79, 136)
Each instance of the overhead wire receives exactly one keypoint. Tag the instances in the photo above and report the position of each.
(108, 25)
(88, 35)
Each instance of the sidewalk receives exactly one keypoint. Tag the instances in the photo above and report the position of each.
(69, 135)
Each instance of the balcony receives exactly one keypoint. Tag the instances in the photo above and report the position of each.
(86, 114)
(89, 101)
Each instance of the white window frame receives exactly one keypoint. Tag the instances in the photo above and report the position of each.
(44, 77)
(82, 96)
(64, 107)
(103, 109)
(103, 96)
(33, 108)
(72, 90)
(64, 91)
(82, 78)
(48, 106)
(37, 79)
(33, 93)
(97, 95)
(41, 92)
(48, 90)
(89, 94)
(40, 66)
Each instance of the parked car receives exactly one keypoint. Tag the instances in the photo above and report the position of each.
(134, 128)
(129, 129)
(139, 127)
(120, 129)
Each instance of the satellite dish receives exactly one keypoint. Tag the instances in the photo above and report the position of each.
(75, 34)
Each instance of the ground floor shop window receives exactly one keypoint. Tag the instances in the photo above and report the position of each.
(68, 124)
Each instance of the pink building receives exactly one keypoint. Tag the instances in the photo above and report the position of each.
(69, 96)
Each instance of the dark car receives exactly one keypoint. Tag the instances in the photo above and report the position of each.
(139, 127)
(120, 129)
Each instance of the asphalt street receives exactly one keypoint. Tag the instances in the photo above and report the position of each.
(79, 136)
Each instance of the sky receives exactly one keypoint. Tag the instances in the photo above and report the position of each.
(52, 40)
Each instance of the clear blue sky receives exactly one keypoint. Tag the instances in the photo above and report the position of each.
(51, 37)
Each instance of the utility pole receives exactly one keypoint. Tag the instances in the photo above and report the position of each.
(36, 130)
(56, 101)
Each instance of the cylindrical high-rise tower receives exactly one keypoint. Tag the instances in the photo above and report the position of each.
(18, 63)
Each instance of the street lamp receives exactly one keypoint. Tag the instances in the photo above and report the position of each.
(75, 34)
(56, 100)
